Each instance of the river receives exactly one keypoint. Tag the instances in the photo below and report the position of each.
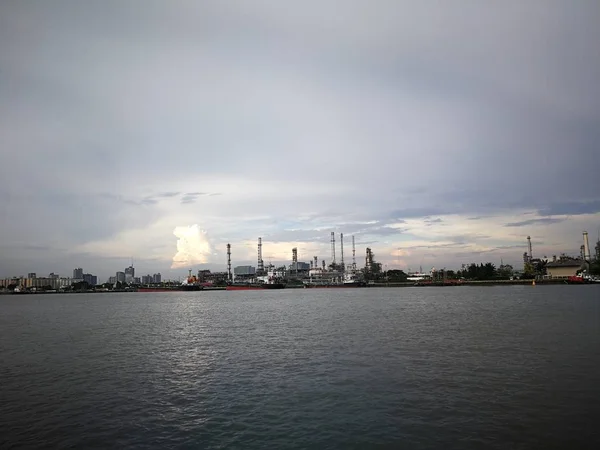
(457, 367)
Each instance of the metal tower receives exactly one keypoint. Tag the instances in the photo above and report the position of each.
(529, 245)
(261, 264)
(342, 251)
(332, 247)
(316, 262)
(295, 260)
(353, 254)
(228, 262)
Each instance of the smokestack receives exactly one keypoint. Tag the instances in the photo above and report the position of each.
(332, 247)
(295, 259)
(529, 245)
(342, 250)
(229, 262)
(586, 244)
(261, 265)
(582, 252)
(316, 262)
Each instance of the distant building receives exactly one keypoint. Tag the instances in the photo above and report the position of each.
(299, 269)
(136, 280)
(157, 278)
(147, 279)
(112, 280)
(31, 275)
(129, 274)
(53, 275)
(244, 272)
(90, 279)
(564, 267)
(120, 277)
(78, 274)
(41, 283)
(206, 276)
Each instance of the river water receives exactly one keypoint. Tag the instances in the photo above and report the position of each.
(458, 367)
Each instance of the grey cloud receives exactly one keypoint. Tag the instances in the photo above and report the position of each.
(572, 208)
(167, 194)
(406, 118)
(543, 220)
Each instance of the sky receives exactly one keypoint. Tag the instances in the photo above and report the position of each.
(437, 133)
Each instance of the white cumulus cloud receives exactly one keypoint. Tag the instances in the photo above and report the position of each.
(192, 246)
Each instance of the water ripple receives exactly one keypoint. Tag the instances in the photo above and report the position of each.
(505, 367)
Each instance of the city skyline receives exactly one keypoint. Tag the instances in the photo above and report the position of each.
(436, 136)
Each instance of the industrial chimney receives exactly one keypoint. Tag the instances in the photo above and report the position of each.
(586, 245)
(342, 251)
(261, 264)
(333, 248)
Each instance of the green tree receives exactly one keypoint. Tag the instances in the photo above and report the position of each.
(505, 271)
(80, 286)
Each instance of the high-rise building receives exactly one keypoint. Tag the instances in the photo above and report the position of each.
(53, 275)
(147, 279)
(78, 274)
(129, 274)
(120, 277)
(156, 278)
(90, 279)
(31, 275)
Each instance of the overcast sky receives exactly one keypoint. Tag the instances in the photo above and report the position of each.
(437, 133)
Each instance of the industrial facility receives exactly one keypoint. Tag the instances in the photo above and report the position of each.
(563, 266)
(313, 273)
